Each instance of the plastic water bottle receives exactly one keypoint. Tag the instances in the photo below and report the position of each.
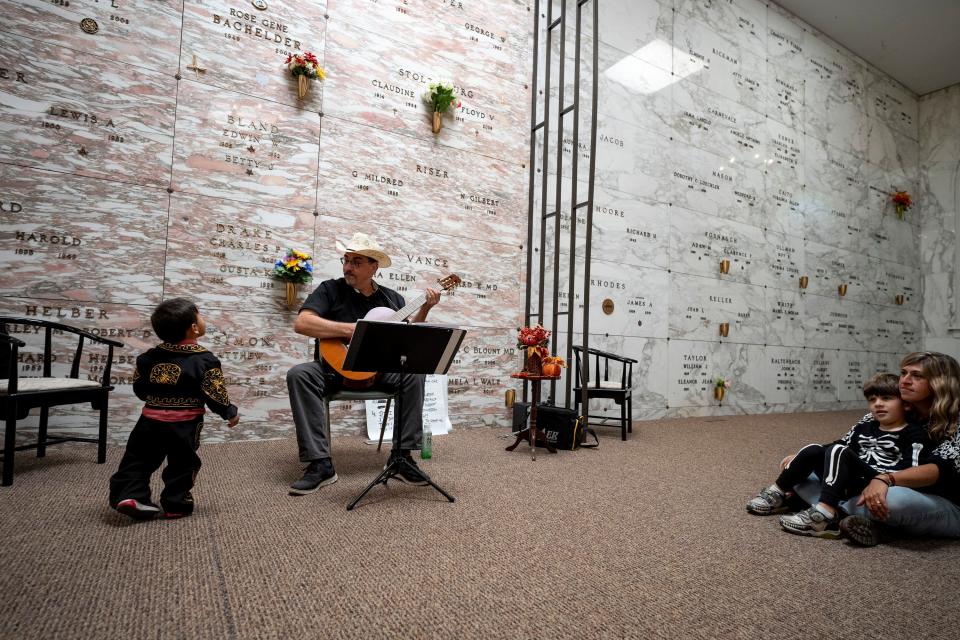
(426, 450)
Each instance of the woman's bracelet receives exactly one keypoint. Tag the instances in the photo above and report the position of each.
(886, 478)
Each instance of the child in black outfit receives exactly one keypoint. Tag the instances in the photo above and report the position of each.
(175, 380)
(882, 441)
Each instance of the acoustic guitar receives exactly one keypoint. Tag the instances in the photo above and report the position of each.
(334, 350)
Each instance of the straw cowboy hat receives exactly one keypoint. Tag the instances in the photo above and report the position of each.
(364, 245)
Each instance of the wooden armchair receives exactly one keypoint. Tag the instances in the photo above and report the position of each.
(18, 394)
(611, 377)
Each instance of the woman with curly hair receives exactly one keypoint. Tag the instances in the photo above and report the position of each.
(922, 500)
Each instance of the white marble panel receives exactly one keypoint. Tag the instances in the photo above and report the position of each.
(497, 33)
(785, 160)
(854, 368)
(894, 279)
(421, 185)
(380, 82)
(742, 20)
(707, 183)
(690, 373)
(835, 108)
(624, 226)
(894, 104)
(65, 237)
(628, 89)
(491, 292)
(784, 94)
(829, 169)
(223, 252)
(830, 267)
(629, 26)
(738, 363)
(479, 375)
(941, 193)
(823, 390)
(833, 219)
(242, 48)
(891, 150)
(639, 298)
(123, 31)
(786, 39)
(728, 67)
(882, 184)
(939, 123)
(239, 147)
(939, 305)
(785, 316)
(698, 306)
(633, 160)
(698, 243)
(836, 323)
(709, 121)
(784, 262)
(75, 113)
(781, 205)
(786, 376)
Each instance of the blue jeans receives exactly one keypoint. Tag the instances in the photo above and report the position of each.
(912, 512)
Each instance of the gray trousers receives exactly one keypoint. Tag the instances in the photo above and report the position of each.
(307, 385)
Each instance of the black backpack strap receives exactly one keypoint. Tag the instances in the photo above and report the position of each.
(596, 440)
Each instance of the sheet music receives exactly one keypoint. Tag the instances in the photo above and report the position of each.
(435, 412)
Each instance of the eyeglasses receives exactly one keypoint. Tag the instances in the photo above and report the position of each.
(356, 262)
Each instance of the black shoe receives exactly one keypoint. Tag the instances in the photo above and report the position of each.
(319, 473)
(138, 510)
(408, 472)
(860, 530)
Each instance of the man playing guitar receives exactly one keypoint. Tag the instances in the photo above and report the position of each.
(331, 312)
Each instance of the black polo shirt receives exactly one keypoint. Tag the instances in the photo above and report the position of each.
(336, 300)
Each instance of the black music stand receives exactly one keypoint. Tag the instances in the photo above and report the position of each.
(399, 347)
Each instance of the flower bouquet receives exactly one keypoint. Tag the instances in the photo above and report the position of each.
(439, 99)
(294, 268)
(533, 341)
(304, 67)
(901, 202)
(720, 387)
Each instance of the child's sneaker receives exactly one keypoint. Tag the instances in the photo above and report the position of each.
(768, 502)
(812, 523)
(137, 510)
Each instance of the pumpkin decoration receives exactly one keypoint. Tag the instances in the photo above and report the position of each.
(551, 366)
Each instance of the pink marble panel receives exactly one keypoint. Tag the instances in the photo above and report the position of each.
(491, 292)
(128, 324)
(75, 113)
(378, 81)
(80, 239)
(223, 252)
(136, 33)
(240, 147)
(480, 374)
(498, 33)
(241, 48)
(421, 185)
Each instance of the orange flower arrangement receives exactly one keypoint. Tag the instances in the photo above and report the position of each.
(901, 202)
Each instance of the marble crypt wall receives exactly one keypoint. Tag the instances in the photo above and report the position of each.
(778, 153)
(167, 154)
(156, 148)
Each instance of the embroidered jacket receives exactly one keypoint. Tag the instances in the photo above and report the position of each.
(182, 376)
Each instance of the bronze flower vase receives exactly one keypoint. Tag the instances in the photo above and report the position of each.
(437, 122)
(534, 365)
(900, 210)
(290, 295)
(718, 393)
(303, 86)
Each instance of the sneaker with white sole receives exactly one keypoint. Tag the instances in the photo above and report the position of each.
(812, 523)
(137, 510)
(860, 530)
(319, 473)
(768, 502)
